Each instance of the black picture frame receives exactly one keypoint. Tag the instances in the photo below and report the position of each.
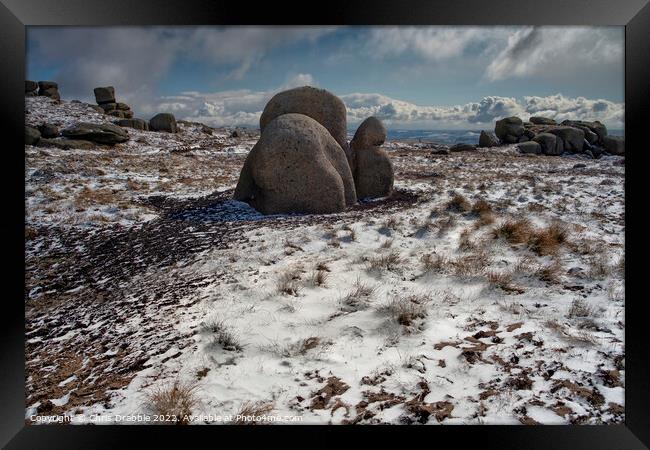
(15, 15)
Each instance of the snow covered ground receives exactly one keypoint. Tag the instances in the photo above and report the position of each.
(487, 290)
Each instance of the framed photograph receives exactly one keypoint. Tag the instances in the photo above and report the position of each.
(411, 214)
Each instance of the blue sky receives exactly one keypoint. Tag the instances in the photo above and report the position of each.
(410, 77)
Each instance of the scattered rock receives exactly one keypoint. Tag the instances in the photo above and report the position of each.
(234, 134)
(66, 144)
(138, 124)
(48, 130)
(537, 120)
(104, 95)
(322, 397)
(461, 147)
(487, 139)
(296, 167)
(372, 170)
(548, 143)
(614, 145)
(105, 133)
(163, 122)
(30, 86)
(32, 135)
(509, 129)
(530, 147)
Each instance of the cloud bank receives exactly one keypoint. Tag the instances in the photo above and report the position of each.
(244, 107)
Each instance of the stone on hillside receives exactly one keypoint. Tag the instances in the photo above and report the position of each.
(122, 106)
(548, 143)
(595, 126)
(104, 95)
(509, 129)
(48, 130)
(530, 147)
(296, 167)
(573, 138)
(117, 113)
(319, 104)
(163, 122)
(49, 89)
(537, 120)
(462, 147)
(30, 86)
(105, 133)
(66, 144)
(614, 145)
(138, 124)
(32, 135)
(372, 169)
(487, 139)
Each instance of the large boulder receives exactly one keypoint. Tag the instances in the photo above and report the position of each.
(372, 170)
(138, 124)
(538, 120)
(509, 129)
(163, 122)
(530, 147)
(104, 95)
(487, 139)
(614, 145)
(107, 107)
(319, 104)
(296, 167)
(573, 138)
(30, 86)
(32, 135)
(549, 143)
(104, 133)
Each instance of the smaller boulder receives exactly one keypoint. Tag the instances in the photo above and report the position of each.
(96, 108)
(487, 139)
(538, 120)
(573, 138)
(30, 86)
(548, 143)
(106, 107)
(32, 135)
(104, 95)
(49, 89)
(122, 106)
(163, 122)
(614, 145)
(531, 147)
(137, 124)
(127, 114)
(462, 147)
(509, 129)
(66, 144)
(117, 113)
(48, 130)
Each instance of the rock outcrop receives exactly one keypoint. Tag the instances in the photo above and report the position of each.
(462, 147)
(105, 133)
(104, 95)
(614, 144)
(296, 167)
(509, 129)
(49, 89)
(31, 88)
(163, 122)
(372, 170)
(32, 135)
(48, 130)
(137, 124)
(530, 147)
(549, 144)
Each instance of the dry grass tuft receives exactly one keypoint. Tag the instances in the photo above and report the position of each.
(465, 243)
(549, 273)
(406, 310)
(252, 413)
(223, 337)
(459, 204)
(358, 298)
(388, 262)
(434, 263)
(319, 277)
(513, 231)
(289, 282)
(599, 266)
(471, 265)
(547, 241)
(580, 308)
(175, 402)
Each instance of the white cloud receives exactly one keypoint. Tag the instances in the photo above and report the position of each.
(549, 51)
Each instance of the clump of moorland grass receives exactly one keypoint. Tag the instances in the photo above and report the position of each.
(465, 243)
(548, 240)
(444, 224)
(549, 273)
(299, 347)
(470, 265)
(580, 308)
(223, 336)
(407, 310)
(434, 263)
(483, 211)
(358, 298)
(289, 282)
(599, 266)
(252, 413)
(458, 203)
(513, 231)
(501, 280)
(390, 262)
(319, 277)
(175, 401)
